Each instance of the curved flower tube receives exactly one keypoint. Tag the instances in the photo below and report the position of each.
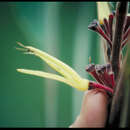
(68, 75)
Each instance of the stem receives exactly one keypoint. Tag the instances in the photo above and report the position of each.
(118, 98)
(121, 13)
(98, 85)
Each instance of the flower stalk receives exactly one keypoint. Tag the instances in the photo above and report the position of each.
(121, 20)
(68, 75)
(121, 15)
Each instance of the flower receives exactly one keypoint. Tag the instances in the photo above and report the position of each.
(104, 27)
(102, 73)
(68, 75)
(103, 11)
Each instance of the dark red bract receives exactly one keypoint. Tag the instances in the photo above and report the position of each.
(103, 73)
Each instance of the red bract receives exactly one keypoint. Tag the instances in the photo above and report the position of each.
(106, 30)
(103, 73)
(97, 85)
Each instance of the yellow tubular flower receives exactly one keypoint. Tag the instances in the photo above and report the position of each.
(69, 76)
(103, 11)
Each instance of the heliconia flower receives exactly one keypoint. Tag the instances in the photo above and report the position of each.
(68, 75)
(104, 26)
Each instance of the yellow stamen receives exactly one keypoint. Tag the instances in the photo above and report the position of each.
(70, 77)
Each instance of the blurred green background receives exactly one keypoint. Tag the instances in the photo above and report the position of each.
(60, 29)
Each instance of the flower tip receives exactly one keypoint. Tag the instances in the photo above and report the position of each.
(19, 70)
(93, 25)
(20, 44)
(100, 21)
(90, 68)
(111, 16)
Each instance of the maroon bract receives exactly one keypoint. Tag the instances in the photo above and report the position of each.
(103, 73)
(106, 30)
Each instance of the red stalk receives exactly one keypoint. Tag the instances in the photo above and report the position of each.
(94, 74)
(126, 33)
(106, 26)
(108, 79)
(112, 78)
(124, 43)
(99, 29)
(97, 85)
(91, 70)
(111, 16)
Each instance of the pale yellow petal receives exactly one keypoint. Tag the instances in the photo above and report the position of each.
(82, 86)
(70, 77)
(56, 64)
(103, 11)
